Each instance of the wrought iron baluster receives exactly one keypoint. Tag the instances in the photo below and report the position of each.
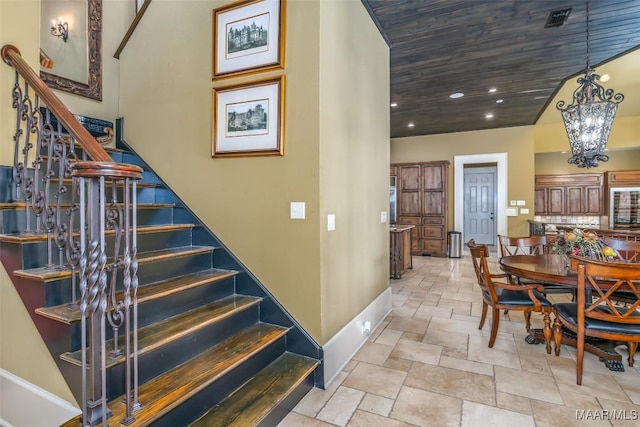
(115, 314)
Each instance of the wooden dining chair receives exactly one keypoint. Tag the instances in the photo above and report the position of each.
(627, 251)
(531, 245)
(600, 317)
(506, 295)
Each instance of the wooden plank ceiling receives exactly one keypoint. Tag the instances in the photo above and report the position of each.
(439, 47)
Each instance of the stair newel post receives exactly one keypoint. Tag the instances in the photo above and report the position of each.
(96, 215)
(94, 299)
(134, 285)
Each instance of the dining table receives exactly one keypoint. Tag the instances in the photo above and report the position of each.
(555, 269)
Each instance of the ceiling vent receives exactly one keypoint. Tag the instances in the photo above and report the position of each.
(557, 18)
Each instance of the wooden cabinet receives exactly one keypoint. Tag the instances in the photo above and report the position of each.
(422, 201)
(400, 251)
(623, 178)
(571, 194)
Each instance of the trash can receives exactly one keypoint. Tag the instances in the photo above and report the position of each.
(454, 244)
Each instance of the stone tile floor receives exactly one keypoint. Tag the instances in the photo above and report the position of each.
(427, 364)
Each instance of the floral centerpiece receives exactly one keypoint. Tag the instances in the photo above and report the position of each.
(585, 244)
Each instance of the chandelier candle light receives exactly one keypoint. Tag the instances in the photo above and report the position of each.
(589, 118)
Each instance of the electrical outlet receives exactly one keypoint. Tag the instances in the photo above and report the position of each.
(366, 327)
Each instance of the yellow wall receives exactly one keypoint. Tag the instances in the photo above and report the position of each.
(354, 162)
(517, 142)
(552, 137)
(167, 101)
(22, 351)
(556, 163)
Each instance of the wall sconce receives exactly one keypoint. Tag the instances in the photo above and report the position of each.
(60, 29)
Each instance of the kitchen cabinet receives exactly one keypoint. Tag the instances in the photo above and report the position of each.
(570, 194)
(422, 202)
(400, 250)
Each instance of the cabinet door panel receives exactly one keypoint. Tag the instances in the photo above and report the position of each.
(556, 200)
(433, 246)
(432, 203)
(409, 203)
(593, 201)
(540, 201)
(410, 178)
(432, 177)
(575, 202)
(433, 232)
(433, 220)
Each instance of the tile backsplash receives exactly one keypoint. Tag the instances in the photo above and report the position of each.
(580, 221)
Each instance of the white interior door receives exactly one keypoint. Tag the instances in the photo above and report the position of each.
(480, 204)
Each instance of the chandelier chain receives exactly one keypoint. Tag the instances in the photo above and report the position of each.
(588, 39)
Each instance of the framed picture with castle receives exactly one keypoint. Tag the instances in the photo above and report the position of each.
(248, 119)
(248, 36)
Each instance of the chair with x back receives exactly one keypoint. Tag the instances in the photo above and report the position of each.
(506, 295)
(628, 251)
(600, 317)
(531, 245)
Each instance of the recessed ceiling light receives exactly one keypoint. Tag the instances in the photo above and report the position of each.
(488, 116)
(605, 78)
(499, 101)
(394, 104)
(492, 90)
(456, 95)
(410, 125)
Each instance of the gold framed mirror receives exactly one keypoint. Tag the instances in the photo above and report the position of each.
(73, 62)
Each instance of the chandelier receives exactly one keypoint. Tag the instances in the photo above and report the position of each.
(589, 118)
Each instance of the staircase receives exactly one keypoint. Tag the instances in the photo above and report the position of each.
(213, 347)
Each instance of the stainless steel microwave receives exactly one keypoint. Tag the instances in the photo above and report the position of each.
(624, 208)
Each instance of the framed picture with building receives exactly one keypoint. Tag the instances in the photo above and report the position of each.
(248, 36)
(248, 119)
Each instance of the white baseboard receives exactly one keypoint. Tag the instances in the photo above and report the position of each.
(25, 404)
(339, 350)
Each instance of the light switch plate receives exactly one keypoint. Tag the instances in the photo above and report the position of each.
(297, 210)
(520, 203)
(383, 216)
(331, 222)
(524, 211)
(511, 211)
(512, 203)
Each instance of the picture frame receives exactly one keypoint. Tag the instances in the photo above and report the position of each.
(248, 119)
(248, 36)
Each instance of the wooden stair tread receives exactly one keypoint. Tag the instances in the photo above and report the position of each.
(253, 401)
(167, 391)
(161, 333)
(42, 237)
(70, 313)
(47, 274)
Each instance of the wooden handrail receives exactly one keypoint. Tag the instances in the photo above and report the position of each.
(12, 56)
(132, 27)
